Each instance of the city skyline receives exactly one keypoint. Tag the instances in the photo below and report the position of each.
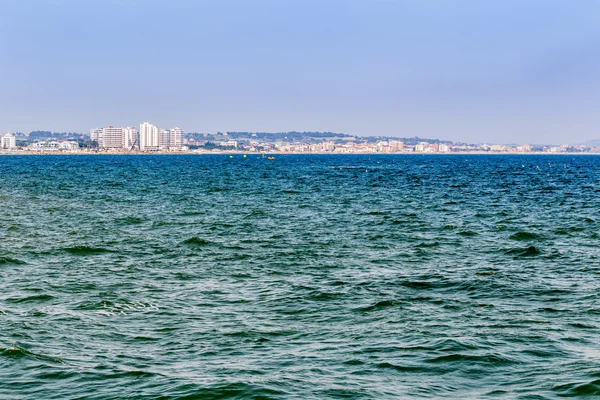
(153, 139)
(504, 72)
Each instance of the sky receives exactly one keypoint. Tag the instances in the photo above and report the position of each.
(497, 71)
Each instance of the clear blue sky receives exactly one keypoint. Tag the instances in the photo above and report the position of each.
(478, 71)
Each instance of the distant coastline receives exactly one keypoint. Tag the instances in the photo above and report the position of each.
(155, 140)
(274, 153)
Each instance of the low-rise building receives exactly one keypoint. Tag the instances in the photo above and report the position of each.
(54, 145)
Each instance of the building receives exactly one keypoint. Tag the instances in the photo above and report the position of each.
(131, 138)
(328, 146)
(444, 148)
(176, 138)
(164, 139)
(115, 138)
(53, 145)
(396, 145)
(96, 134)
(152, 138)
(149, 137)
(420, 148)
(498, 148)
(525, 148)
(112, 138)
(8, 141)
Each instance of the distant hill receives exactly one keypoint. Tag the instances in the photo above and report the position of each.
(406, 140)
(41, 135)
(592, 143)
(293, 135)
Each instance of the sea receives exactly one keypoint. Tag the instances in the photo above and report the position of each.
(304, 277)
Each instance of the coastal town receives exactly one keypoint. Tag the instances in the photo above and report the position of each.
(149, 138)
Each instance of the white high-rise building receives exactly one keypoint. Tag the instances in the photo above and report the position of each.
(131, 138)
(8, 141)
(176, 138)
(115, 138)
(149, 136)
(112, 138)
(153, 138)
(444, 148)
(164, 139)
(96, 134)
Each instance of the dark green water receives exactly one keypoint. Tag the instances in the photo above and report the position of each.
(201, 277)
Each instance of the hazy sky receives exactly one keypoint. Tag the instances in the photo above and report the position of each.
(471, 70)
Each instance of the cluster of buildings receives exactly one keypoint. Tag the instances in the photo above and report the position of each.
(151, 138)
(381, 146)
(54, 145)
(148, 138)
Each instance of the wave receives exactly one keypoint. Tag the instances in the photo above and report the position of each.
(530, 251)
(40, 297)
(577, 389)
(9, 260)
(401, 368)
(196, 241)
(237, 390)
(86, 250)
(380, 305)
(457, 357)
(130, 220)
(16, 352)
(424, 245)
(524, 236)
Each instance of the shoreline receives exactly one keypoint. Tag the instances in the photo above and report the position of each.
(238, 153)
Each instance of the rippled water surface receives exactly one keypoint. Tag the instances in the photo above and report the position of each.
(201, 277)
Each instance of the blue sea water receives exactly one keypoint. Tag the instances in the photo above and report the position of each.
(311, 276)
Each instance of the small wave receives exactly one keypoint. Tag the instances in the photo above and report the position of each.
(580, 325)
(530, 251)
(113, 184)
(40, 297)
(217, 189)
(136, 374)
(418, 284)
(524, 236)
(256, 213)
(400, 368)
(130, 220)
(376, 213)
(467, 233)
(354, 362)
(578, 389)
(8, 260)
(228, 391)
(324, 296)
(16, 352)
(567, 230)
(191, 213)
(196, 241)
(86, 250)
(381, 304)
(486, 272)
(488, 359)
(423, 245)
